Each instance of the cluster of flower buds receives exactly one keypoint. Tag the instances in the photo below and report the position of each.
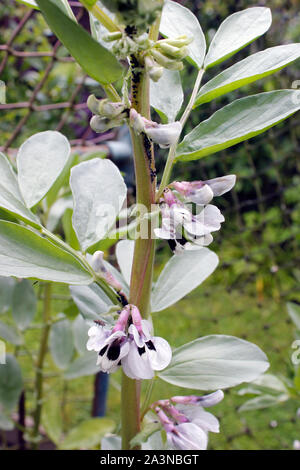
(107, 114)
(167, 53)
(162, 134)
(186, 422)
(180, 226)
(126, 44)
(138, 13)
(129, 344)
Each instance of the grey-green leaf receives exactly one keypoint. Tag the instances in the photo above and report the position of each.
(88, 434)
(10, 334)
(82, 366)
(105, 68)
(91, 301)
(80, 333)
(263, 401)
(99, 192)
(176, 21)
(7, 285)
(236, 32)
(166, 95)
(182, 274)
(238, 121)
(11, 383)
(124, 254)
(40, 161)
(24, 253)
(215, 361)
(52, 418)
(61, 343)
(24, 304)
(294, 313)
(249, 70)
(2, 92)
(10, 196)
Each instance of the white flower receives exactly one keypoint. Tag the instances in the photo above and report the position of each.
(111, 346)
(146, 353)
(187, 436)
(202, 192)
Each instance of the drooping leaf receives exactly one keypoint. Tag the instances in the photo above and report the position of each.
(249, 70)
(294, 313)
(215, 361)
(105, 69)
(24, 253)
(124, 254)
(166, 95)
(176, 21)
(91, 301)
(99, 192)
(238, 121)
(88, 434)
(10, 196)
(7, 285)
(10, 334)
(182, 274)
(11, 383)
(61, 343)
(80, 333)
(52, 418)
(40, 160)
(262, 401)
(236, 32)
(82, 366)
(24, 304)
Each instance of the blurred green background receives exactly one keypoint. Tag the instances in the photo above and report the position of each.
(258, 246)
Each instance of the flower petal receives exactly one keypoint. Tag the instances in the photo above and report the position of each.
(136, 365)
(221, 185)
(161, 356)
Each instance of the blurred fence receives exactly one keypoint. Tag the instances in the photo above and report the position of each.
(47, 90)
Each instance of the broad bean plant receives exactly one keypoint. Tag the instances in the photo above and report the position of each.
(136, 51)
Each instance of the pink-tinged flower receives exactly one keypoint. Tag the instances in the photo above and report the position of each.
(183, 435)
(164, 135)
(182, 228)
(100, 269)
(202, 192)
(205, 401)
(111, 344)
(146, 353)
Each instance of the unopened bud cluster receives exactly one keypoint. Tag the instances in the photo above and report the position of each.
(107, 114)
(167, 53)
(127, 44)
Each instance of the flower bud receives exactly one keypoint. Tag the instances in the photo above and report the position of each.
(164, 61)
(164, 135)
(155, 71)
(172, 51)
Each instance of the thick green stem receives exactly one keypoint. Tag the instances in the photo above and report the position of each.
(142, 269)
(38, 386)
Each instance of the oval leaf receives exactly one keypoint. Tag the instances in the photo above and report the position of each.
(99, 192)
(11, 383)
(182, 274)
(7, 285)
(24, 253)
(10, 334)
(90, 300)
(166, 95)
(10, 196)
(24, 304)
(95, 60)
(263, 401)
(61, 343)
(176, 21)
(249, 70)
(88, 434)
(239, 121)
(215, 361)
(236, 32)
(40, 160)
(124, 254)
(82, 366)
